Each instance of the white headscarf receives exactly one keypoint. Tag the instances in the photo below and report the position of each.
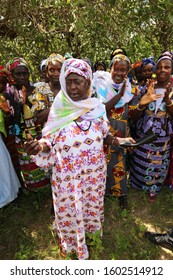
(103, 85)
(64, 110)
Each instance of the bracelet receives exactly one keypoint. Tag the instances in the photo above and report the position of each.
(169, 105)
(113, 142)
(137, 107)
(42, 147)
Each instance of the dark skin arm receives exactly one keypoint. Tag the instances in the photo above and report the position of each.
(42, 116)
(33, 146)
(167, 99)
(116, 141)
(145, 100)
(112, 102)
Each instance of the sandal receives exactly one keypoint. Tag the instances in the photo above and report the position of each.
(151, 198)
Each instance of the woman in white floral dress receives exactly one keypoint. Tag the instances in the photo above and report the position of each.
(72, 145)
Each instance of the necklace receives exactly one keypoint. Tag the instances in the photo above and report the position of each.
(81, 127)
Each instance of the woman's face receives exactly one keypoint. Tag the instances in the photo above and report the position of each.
(138, 74)
(53, 71)
(164, 70)
(21, 75)
(77, 87)
(119, 71)
(147, 71)
(100, 68)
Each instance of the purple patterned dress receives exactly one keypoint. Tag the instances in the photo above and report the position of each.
(150, 162)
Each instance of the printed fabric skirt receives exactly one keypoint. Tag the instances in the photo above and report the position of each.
(149, 165)
(34, 177)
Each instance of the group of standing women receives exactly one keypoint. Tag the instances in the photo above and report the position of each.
(140, 111)
(64, 136)
(29, 106)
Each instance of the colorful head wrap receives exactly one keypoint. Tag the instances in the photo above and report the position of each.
(165, 55)
(3, 71)
(55, 57)
(64, 110)
(80, 67)
(120, 57)
(117, 51)
(17, 61)
(149, 60)
(137, 64)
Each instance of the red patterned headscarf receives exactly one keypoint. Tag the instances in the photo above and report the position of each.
(17, 61)
(13, 63)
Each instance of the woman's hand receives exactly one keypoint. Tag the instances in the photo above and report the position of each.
(122, 91)
(127, 139)
(32, 146)
(42, 116)
(168, 93)
(116, 141)
(150, 95)
(4, 105)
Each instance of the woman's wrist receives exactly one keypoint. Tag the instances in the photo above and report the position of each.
(169, 103)
(44, 148)
(115, 142)
(41, 148)
(140, 107)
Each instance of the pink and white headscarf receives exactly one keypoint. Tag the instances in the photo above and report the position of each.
(64, 110)
(165, 55)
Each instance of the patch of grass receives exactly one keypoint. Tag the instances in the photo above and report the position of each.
(26, 231)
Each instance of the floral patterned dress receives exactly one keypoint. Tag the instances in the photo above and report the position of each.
(79, 168)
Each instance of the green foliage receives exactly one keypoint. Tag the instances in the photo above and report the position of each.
(94, 243)
(36, 28)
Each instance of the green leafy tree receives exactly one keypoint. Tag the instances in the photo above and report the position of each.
(35, 28)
